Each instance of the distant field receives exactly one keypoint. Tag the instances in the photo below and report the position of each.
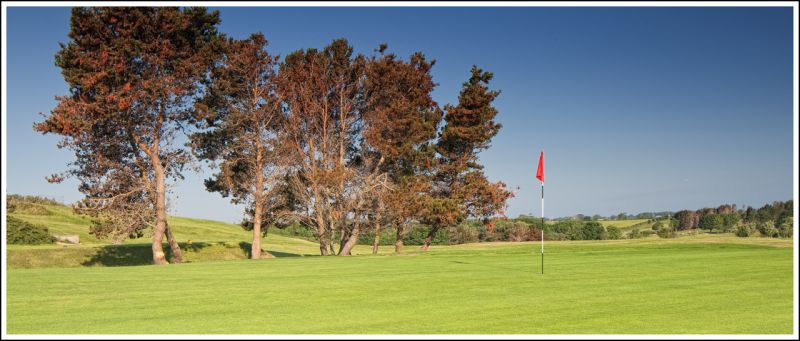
(623, 224)
(716, 284)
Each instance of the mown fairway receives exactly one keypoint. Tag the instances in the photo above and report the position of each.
(694, 284)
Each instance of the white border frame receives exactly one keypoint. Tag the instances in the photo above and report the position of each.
(794, 5)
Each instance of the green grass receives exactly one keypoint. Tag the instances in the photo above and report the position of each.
(700, 284)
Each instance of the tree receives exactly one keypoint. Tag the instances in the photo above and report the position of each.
(711, 222)
(401, 121)
(322, 93)
(749, 215)
(729, 220)
(459, 189)
(686, 219)
(622, 216)
(132, 73)
(243, 112)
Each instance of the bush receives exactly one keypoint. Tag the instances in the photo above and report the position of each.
(667, 232)
(565, 230)
(31, 199)
(634, 234)
(462, 234)
(613, 232)
(294, 231)
(21, 232)
(744, 230)
(767, 229)
(785, 227)
(416, 235)
(593, 231)
(657, 226)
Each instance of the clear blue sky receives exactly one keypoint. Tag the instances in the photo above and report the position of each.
(637, 109)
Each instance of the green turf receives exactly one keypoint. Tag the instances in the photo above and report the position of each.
(695, 284)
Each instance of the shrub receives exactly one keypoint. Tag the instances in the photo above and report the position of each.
(31, 199)
(294, 230)
(416, 235)
(657, 226)
(22, 232)
(593, 231)
(634, 234)
(785, 227)
(744, 230)
(667, 232)
(462, 234)
(613, 232)
(767, 228)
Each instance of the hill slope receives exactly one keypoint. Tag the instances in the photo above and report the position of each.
(200, 239)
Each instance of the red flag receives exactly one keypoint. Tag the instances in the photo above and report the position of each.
(540, 171)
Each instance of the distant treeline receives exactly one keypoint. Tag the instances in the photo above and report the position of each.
(771, 220)
(620, 216)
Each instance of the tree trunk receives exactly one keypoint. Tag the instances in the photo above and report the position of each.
(161, 212)
(351, 242)
(345, 236)
(258, 196)
(255, 248)
(323, 248)
(429, 238)
(177, 255)
(321, 236)
(331, 239)
(323, 243)
(398, 242)
(377, 241)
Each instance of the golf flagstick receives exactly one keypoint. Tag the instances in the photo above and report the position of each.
(540, 176)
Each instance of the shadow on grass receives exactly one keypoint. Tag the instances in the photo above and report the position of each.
(286, 254)
(136, 254)
(247, 247)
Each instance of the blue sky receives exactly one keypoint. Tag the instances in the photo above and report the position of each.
(637, 109)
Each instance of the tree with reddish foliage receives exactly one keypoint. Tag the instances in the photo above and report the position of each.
(132, 73)
(243, 115)
(322, 93)
(459, 188)
(401, 121)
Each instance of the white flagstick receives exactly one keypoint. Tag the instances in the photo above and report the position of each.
(542, 227)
